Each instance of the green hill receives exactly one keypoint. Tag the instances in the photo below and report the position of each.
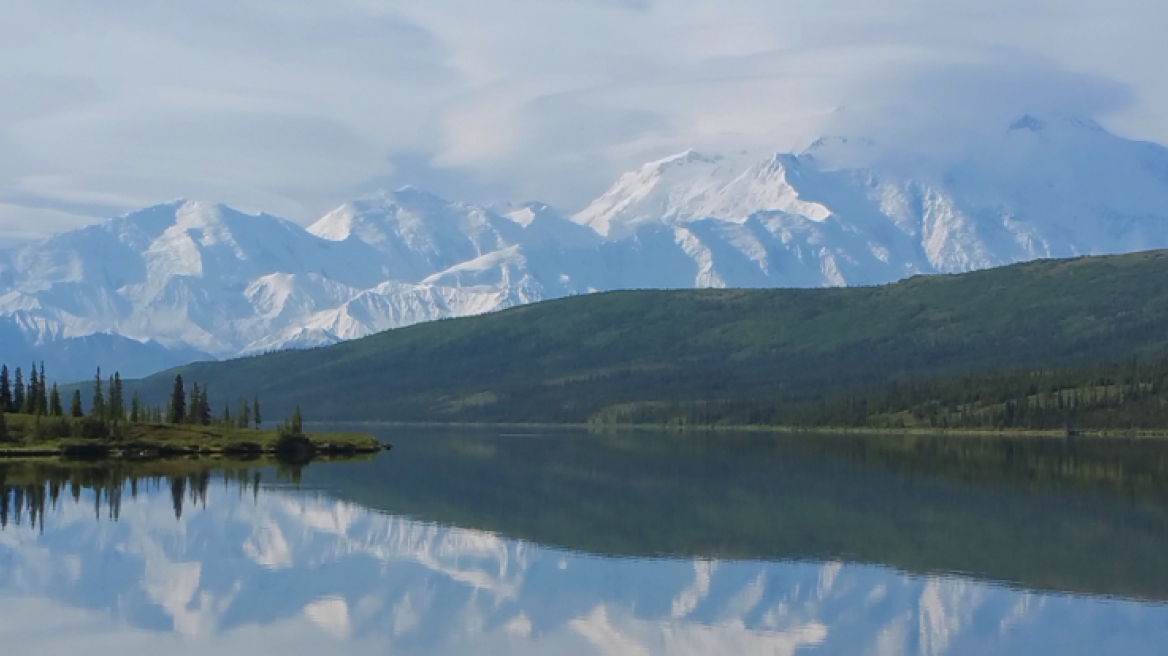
(1082, 336)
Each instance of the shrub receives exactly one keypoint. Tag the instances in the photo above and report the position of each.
(91, 428)
(48, 429)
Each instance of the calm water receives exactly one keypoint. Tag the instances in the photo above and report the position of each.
(479, 543)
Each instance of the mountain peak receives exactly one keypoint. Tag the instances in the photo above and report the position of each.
(1057, 123)
(195, 212)
(1029, 123)
(406, 196)
(680, 160)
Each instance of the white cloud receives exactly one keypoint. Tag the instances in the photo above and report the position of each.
(291, 106)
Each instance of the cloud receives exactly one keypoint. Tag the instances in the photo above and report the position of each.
(292, 106)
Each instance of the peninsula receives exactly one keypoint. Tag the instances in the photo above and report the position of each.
(23, 435)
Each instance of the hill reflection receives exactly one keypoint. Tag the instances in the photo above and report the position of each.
(459, 543)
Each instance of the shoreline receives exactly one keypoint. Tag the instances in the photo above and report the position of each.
(29, 436)
(1109, 433)
(140, 451)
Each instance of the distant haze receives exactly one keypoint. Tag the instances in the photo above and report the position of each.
(293, 106)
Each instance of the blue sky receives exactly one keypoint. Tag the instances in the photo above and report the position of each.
(294, 106)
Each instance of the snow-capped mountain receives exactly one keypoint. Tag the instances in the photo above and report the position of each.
(188, 280)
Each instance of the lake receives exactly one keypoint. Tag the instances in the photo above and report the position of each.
(480, 542)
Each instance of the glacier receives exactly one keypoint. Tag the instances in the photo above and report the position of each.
(188, 280)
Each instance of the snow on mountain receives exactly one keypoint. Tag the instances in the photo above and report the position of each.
(209, 280)
(1041, 189)
(695, 185)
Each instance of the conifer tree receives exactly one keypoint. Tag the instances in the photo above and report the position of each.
(30, 397)
(18, 392)
(75, 409)
(117, 403)
(227, 414)
(176, 412)
(255, 412)
(5, 390)
(193, 406)
(297, 422)
(135, 409)
(3, 435)
(42, 396)
(98, 409)
(55, 408)
(204, 417)
(244, 413)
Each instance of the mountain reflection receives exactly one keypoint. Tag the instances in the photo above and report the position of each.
(238, 558)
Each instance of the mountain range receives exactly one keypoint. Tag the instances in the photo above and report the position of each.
(828, 357)
(186, 281)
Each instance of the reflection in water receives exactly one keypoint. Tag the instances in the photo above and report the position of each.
(240, 560)
(1081, 516)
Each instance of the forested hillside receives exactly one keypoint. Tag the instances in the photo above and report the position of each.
(1043, 344)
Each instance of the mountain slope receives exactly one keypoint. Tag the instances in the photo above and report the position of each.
(842, 212)
(572, 359)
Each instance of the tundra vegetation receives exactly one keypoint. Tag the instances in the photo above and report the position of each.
(33, 420)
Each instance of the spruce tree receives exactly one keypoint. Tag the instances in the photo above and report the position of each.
(244, 413)
(177, 410)
(255, 412)
(5, 390)
(30, 397)
(43, 396)
(18, 392)
(204, 417)
(227, 414)
(117, 403)
(135, 409)
(98, 409)
(297, 422)
(55, 408)
(75, 409)
(3, 435)
(193, 406)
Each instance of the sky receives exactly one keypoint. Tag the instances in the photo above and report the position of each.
(294, 106)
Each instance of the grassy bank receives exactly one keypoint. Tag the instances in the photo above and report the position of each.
(36, 436)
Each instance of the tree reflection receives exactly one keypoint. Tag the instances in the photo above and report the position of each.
(31, 490)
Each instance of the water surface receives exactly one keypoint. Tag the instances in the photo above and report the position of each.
(463, 542)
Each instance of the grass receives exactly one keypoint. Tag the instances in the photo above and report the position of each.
(137, 438)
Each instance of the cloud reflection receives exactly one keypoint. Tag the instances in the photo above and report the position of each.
(300, 573)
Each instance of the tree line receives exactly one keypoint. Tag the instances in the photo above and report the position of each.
(108, 407)
(194, 407)
(1126, 395)
(32, 398)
